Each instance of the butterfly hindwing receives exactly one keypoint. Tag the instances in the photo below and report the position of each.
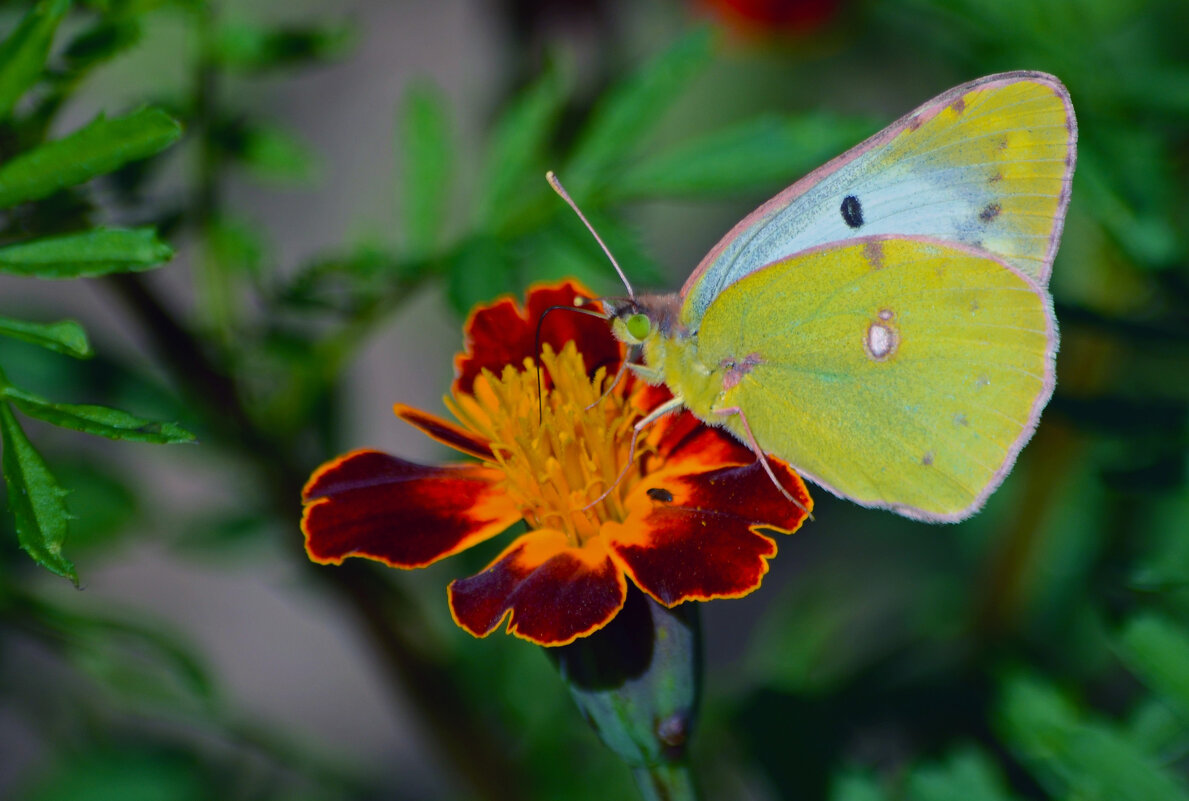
(899, 372)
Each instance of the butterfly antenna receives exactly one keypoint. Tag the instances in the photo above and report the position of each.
(537, 348)
(561, 191)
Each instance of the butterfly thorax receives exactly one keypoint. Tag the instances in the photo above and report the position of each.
(670, 351)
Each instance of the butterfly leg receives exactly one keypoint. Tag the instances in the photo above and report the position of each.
(759, 452)
(647, 374)
(623, 368)
(656, 414)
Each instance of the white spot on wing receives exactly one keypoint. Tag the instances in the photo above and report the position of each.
(881, 340)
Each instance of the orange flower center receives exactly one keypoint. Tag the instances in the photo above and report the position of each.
(559, 448)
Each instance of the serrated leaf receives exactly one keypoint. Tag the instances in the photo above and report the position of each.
(91, 253)
(99, 148)
(752, 155)
(64, 336)
(100, 420)
(517, 146)
(1077, 758)
(1158, 650)
(35, 500)
(425, 158)
(23, 53)
(624, 116)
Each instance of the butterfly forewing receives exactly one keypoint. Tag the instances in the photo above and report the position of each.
(987, 165)
(899, 372)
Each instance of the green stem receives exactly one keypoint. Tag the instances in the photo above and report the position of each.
(667, 781)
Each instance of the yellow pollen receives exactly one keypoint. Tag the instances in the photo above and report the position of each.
(557, 455)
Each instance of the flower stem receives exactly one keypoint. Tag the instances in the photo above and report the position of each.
(668, 781)
(638, 683)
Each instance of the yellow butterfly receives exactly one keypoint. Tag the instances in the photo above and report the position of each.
(883, 325)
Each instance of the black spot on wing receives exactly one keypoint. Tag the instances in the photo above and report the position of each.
(990, 212)
(852, 211)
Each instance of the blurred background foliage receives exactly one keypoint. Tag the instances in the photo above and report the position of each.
(1040, 650)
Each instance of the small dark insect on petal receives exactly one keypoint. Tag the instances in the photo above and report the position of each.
(852, 211)
(660, 494)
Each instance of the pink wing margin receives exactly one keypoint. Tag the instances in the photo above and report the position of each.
(919, 115)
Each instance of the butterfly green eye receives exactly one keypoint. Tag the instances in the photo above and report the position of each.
(638, 326)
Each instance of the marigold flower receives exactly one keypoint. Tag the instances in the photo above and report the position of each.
(682, 523)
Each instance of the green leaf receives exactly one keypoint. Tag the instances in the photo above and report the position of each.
(480, 272)
(624, 116)
(253, 49)
(1158, 650)
(752, 155)
(856, 787)
(1076, 758)
(91, 253)
(64, 336)
(99, 148)
(276, 154)
(36, 501)
(518, 144)
(101, 420)
(425, 159)
(23, 53)
(968, 775)
(102, 42)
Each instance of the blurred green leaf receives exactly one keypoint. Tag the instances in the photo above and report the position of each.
(480, 272)
(967, 775)
(752, 155)
(426, 166)
(23, 53)
(1157, 729)
(100, 420)
(64, 336)
(102, 42)
(237, 245)
(568, 250)
(252, 48)
(513, 173)
(1158, 650)
(102, 502)
(856, 787)
(624, 115)
(271, 153)
(1076, 758)
(99, 148)
(35, 500)
(123, 773)
(91, 253)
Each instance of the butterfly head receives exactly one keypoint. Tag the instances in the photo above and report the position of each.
(636, 320)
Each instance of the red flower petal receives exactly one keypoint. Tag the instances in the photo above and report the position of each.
(555, 593)
(502, 334)
(694, 537)
(370, 504)
(444, 432)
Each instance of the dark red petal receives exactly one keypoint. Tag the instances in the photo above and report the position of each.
(503, 334)
(554, 593)
(686, 444)
(444, 432)
(370, 504)
(694, 537)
